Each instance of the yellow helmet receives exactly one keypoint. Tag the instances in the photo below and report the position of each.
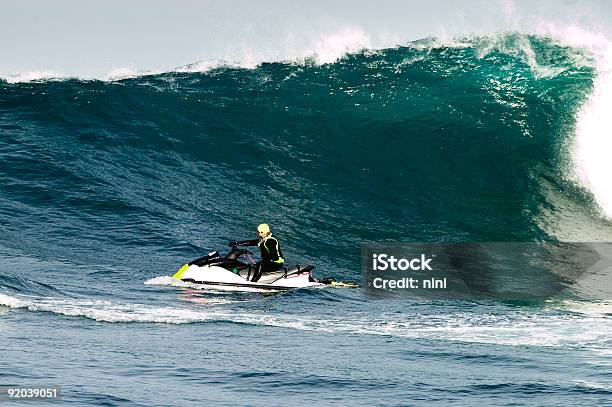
(263, 229)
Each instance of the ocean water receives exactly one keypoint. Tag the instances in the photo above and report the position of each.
(109, 186)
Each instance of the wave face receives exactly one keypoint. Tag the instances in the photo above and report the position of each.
(464, 141)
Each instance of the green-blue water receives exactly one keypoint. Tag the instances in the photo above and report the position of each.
(108, 185)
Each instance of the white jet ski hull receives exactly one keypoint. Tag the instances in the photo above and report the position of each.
(215, 277)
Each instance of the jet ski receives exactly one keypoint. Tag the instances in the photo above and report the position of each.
(229, 272)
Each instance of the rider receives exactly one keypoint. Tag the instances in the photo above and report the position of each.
(271, 253)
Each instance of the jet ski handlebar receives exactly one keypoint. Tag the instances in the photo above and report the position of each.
(235, 243)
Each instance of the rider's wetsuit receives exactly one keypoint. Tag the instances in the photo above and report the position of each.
(271, 255)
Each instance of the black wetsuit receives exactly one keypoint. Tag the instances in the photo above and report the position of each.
(271, 255)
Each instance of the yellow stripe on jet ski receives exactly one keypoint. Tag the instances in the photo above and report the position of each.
(179, 274)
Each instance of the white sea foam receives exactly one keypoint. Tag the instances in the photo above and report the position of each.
(125, 73)
(107, 311)
(33, 76)
(521, 47)
(169, 281)
(325, 49)
(331, 47)
(114, 75)
(546, 328)
(590, 308)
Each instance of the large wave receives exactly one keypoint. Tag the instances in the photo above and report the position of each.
(470, 140)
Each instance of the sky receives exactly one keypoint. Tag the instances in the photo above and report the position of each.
(89, 38)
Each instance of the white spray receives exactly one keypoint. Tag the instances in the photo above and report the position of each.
(592, 147)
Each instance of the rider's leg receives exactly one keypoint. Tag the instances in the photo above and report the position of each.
(257, 272)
